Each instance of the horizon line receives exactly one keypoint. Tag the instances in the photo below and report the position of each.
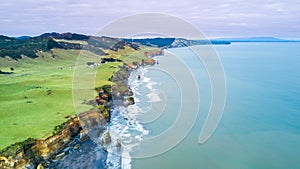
(151, 37)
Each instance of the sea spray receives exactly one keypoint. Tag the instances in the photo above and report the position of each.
(125, 125)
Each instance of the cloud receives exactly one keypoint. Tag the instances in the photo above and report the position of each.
(5, 20)
(212, 17)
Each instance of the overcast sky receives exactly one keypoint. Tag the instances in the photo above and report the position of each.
(215, 18)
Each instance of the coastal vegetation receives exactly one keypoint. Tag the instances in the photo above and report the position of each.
(36, 98)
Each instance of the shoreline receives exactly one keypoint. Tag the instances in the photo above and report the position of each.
(39, 153)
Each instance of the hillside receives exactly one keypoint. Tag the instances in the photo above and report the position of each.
(37, 75)
(16, 48)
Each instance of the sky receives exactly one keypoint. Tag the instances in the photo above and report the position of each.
(214, 18)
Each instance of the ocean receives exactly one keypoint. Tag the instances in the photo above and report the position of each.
(259, 127)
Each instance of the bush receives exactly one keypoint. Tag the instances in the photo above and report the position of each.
(14, 148)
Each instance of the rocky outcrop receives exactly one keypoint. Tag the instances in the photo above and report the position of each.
(43, 151)
(180, 42)
(106, 139)
(53, 144)
(129, 101)
(120, 90)
(153, 53)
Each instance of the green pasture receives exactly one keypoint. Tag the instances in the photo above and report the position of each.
(38, 95)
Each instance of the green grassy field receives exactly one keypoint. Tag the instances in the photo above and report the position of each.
(38, 96)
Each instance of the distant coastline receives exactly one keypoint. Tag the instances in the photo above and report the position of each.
(256, 39)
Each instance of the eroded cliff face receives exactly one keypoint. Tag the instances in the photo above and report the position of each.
(40, 153)
(121, 92)
(43, 151)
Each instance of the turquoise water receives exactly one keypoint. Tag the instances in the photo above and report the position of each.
(260, 128)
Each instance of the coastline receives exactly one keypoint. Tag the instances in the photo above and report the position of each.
(122, 120)
(41, 153)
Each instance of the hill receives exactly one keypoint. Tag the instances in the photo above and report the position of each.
(37, 75)
(16, 48)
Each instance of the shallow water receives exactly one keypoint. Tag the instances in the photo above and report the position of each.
(88, 155)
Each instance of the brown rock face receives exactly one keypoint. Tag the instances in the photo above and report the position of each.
(53, 144)
(43, 149)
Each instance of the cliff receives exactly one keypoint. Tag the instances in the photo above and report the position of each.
(32, 153)
(42, 152)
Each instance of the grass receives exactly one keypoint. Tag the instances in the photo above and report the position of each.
(38, 96)
(105, 72)
(72, 41)
(130, 56)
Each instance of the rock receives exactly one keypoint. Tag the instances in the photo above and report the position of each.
(83, 135)
(3, 159)
(46, 163)
(47, 148)
(76, 146)
(21, 163)
(60, 156)
(118, 144)
(129, 101)
(40, 166)
(130, 93)
(106, 138)
(12, 164)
